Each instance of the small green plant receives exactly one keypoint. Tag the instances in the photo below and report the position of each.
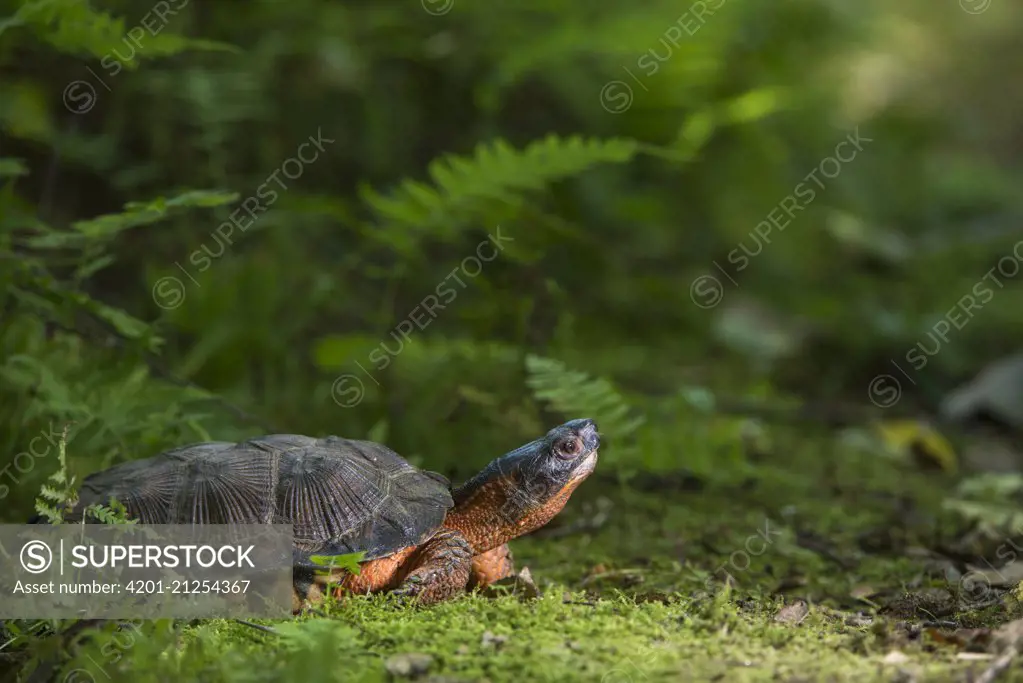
(58, 493)
(349, 562)
(115, 513)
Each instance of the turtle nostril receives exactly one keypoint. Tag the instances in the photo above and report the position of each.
(590, 435)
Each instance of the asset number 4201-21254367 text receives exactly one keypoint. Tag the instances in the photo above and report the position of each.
(187, 586)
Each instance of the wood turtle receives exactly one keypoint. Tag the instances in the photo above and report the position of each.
(421, 538)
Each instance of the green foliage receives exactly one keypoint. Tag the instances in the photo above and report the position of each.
(39, 293)
(349, 562)
(102, 229)
(467, 188)
(68, 355)
(73, 27)
(59, 492)
(991, 502)
(489, 116)
(612, 214)
(114, 513)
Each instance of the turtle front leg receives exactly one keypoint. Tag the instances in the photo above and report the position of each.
(491, 566)
(439, 570)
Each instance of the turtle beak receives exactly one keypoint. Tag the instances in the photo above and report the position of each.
(589, 434)
(587, 431)
(586, 465)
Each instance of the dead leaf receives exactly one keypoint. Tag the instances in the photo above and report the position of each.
(963, 637)
(895, 657)
(792, 614)
(920, 442)
(521, 584)
(1006, 576)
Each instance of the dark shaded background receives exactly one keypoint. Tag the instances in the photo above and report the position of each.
(628, 152)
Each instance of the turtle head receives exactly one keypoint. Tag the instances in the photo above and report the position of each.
(525, 488)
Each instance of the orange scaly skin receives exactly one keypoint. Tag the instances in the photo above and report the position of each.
(480, 520)
(374, 576)
(441, 563)
(514, 495)
(439, 570)
(378, 575)
(491, 566)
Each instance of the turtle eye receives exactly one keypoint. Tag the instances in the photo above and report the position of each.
(568, 448)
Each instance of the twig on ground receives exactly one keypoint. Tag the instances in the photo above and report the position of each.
(258, 627)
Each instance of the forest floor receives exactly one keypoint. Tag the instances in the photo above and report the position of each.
(816, 567)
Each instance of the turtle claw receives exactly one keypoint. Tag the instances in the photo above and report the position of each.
(404, 601)
(407, 593)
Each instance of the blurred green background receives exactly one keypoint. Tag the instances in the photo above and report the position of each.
(625, 153)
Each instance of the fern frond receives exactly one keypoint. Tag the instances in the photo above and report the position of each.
(576, 393)
(115, 513)
(73, 27)
(48, 492)
(135, 214)
(496, 173)
(57, 494)
(49, 513)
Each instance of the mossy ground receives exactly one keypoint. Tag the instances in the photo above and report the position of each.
(659, 579)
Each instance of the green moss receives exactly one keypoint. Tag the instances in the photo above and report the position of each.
(610, 639)
(673, 585)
